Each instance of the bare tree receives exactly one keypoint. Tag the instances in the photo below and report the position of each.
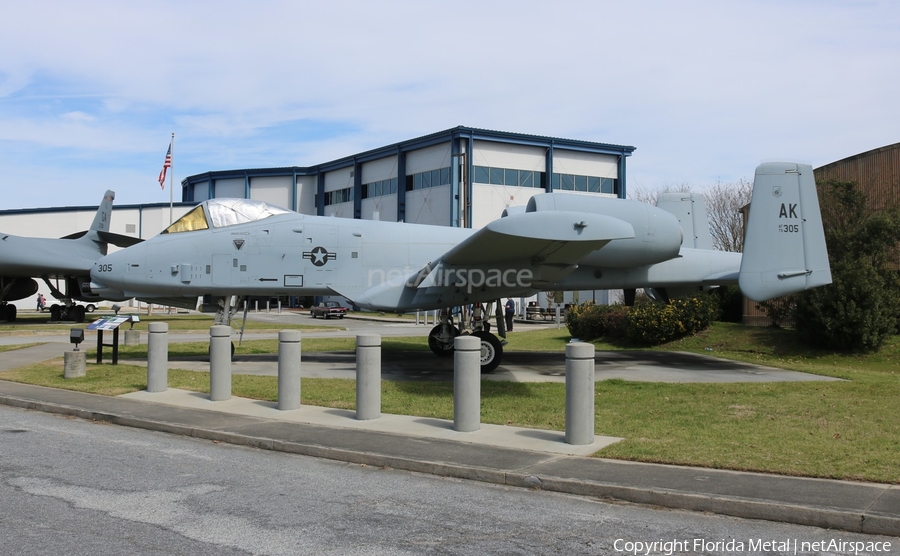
(724, 202)
(650, 196)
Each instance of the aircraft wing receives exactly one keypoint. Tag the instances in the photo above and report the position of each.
(550, 238)
(118, 240)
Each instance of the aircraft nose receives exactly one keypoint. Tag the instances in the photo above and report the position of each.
(106, 275)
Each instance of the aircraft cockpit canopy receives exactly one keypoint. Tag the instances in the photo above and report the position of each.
(223, 212)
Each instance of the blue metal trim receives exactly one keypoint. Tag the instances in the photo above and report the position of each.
(320, 194)
(548, 169)
(470, 172)
(419, 143)
(357, 191)
(454, 183)
(246, 185)
(401, 186)
(294, 200)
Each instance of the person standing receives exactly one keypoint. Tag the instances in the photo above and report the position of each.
(510, 313)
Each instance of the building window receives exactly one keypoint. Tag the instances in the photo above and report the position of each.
(430, 178)
(338, 196)
(509, 176)
(379, 188)
(590, 184)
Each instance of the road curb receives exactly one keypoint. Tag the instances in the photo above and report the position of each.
(829, 518)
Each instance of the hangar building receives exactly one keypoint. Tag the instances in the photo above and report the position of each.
(462, 177)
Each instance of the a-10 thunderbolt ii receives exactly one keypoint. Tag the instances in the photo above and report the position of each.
(64, 264)
(227, 248)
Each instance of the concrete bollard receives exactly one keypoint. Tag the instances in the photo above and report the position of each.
(579, 393)
(368, 377)
(289, 353)
(157, 357)
(132, 337)
(219, 363)
(74, 364)
(467, 383)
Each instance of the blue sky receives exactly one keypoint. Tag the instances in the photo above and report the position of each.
(91, 91)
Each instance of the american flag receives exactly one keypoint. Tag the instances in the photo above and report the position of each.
(166, 165)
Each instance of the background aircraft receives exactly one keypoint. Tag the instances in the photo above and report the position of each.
(64, 262)
(235, 247)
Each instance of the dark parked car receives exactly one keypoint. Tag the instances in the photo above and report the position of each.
(328, 309)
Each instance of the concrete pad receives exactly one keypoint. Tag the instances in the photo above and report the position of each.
(640, 366)
(552, 442)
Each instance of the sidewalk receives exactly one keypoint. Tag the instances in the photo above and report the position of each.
(503, 455)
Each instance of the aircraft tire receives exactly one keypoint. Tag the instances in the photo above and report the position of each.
(77, 313)
(55, 313)
(435, 345)
(491, 351)
(10, 313)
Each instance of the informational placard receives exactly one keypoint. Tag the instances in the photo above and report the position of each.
(108, 323)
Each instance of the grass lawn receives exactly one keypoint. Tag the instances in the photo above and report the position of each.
(847, 430)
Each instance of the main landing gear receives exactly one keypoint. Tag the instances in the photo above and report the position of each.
(441, 337)
(8, 312)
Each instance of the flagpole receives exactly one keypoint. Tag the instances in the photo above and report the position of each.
(171, 178)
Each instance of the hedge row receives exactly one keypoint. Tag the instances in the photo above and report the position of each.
(643, 324)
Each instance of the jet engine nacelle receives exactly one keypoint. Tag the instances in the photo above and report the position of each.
(657, 233)
(17, 288)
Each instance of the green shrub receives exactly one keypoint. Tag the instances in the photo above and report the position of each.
(588, 321)
(657, 323)
(645, 323)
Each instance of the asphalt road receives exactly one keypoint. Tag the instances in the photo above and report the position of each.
(80, 488)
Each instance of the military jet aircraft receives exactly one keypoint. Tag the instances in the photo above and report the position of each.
(68, 259)
(226, 248)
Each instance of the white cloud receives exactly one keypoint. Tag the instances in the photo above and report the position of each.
(703, 89)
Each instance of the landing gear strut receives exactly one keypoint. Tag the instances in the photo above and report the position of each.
(441, 337)
(68, 310)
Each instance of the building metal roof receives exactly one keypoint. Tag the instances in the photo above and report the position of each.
(424, 141)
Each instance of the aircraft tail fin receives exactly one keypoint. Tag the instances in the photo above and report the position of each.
(690, 209)
(100, 226)
(784, 246)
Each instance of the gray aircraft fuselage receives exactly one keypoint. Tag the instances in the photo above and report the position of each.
(399, 267)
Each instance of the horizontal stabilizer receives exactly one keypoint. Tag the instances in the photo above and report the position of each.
(119, 240)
